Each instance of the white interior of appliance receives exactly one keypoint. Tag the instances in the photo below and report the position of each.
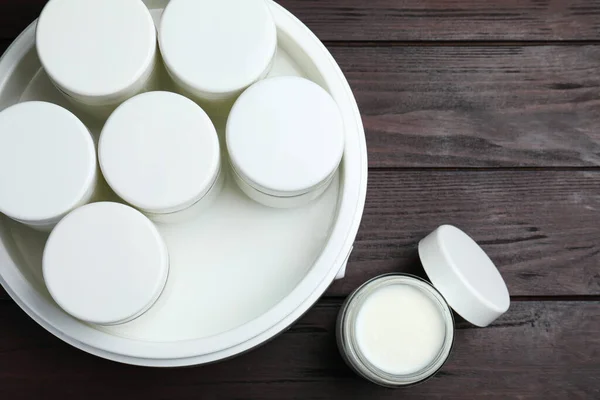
(230, 265)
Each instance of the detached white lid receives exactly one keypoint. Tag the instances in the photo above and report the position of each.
(285, 136)
(465, 275)
(105, 263)
(96, 49)
(47, 162)
(217, 47)
(159, 151)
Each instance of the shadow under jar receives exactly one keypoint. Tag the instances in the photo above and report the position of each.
(98, 53)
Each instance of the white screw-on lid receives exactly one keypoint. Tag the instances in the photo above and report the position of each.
(285, 136)
(105, 263)
(465, 275)
(47, 162)
(159, 151)
(217, 47)
(96, 50)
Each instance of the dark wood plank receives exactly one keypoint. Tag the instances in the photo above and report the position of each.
(456, 106)
(377, 20)
(538, 350)
(540, 227)
(477, 106)
(449, 20)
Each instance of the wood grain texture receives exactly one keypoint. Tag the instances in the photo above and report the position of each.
(481, 114)
(542, 228)
(424, 20)
(477, 106)
(538, 350)
(408, 20)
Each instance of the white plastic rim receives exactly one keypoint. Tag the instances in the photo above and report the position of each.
(76, 38)
(47, 163)
(114, 285)
(465, 275)
(177, 156)
(285, 136)
(317, 280)
(216, 49)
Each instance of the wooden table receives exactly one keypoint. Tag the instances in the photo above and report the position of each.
(483, 114)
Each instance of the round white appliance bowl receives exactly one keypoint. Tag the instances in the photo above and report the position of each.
(290, 286)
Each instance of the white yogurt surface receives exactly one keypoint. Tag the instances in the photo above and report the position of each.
(400, 329)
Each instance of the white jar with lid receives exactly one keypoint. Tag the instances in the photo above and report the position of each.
(47, 164)
(159, 151)
(98, 53)
(105, 264)
(285, 138)
(213, 50)
(397, 330)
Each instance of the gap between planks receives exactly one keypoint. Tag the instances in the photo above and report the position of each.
(590, 168)
(5, 42)
(337, 300)
(536, 351)
(458, 43)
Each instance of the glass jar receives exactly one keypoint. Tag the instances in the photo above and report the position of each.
(176, 173)
(285, 138)
(107, 55)
(105, 264)
(398, 329)
(214, 50)
(47, 164)
(355, 353)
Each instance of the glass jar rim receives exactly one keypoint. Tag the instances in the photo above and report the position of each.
(350, 346)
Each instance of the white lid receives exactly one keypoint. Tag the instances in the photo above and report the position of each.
(217, 47)
(285, 136)
(465, 275)
(159, 151)
(94, 48)
(105, 263)
(47, 162)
